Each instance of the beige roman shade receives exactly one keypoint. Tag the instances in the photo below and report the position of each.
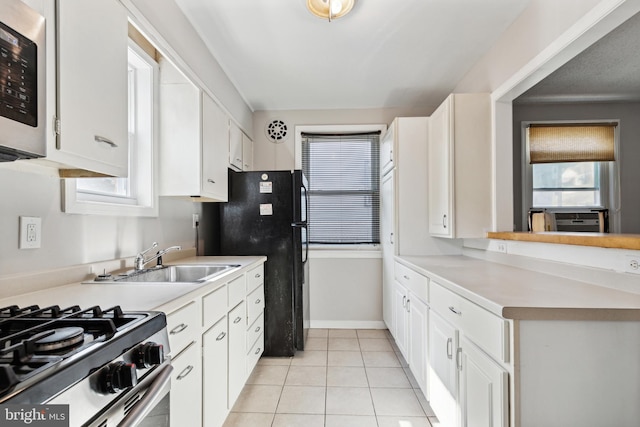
(557, 143)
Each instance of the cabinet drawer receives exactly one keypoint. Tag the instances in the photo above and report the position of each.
(183, 327)
(214, 306)
(412, 280)
(485, 329)
(255, 277)
(255, 304)
(254, 331)
(254, 354)
(237, 290)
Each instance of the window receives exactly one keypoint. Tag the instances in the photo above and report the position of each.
(134, 195)
(569, 165)
(344, 187)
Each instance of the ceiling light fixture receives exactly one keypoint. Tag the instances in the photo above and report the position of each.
(330, 9)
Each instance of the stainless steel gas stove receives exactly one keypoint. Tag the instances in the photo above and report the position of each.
(107, 365)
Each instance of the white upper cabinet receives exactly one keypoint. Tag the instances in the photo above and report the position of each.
(247, 153)
(235, 146)
(214, 151)
(194, 137)
(459, 167)
(92, 87)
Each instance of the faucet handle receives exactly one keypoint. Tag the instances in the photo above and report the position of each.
(153, 245)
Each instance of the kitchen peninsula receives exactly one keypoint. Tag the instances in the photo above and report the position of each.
(524, 340)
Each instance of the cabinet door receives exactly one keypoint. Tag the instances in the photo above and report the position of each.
(386, 150)
(388, 248)
(186, 388)
(401, 319)
(215, 137)
(214, 375)
(483, 388)
(418, 330)
(235, 147)
(92, 85)
(237, 351)
(247, 153)
(442, 376)
(440, 171)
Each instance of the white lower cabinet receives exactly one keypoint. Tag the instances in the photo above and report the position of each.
(215, 341)
(214, 375)
(418, 341)
(443, 373)
(483, 388)
(401, 319)
(237, 351)
(468, 385)
(186, 388)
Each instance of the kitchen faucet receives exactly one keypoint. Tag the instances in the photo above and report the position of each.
(140, 261)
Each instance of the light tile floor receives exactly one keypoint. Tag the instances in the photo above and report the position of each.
(344, 378)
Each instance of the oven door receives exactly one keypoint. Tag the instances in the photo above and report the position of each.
(147, 404)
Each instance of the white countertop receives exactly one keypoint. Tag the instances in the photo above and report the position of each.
(516, 293)
(134, 297)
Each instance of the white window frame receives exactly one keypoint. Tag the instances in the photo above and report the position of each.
(609, 175)
(363, 250)
(142, 172)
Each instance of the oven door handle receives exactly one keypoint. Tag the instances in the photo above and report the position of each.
(154, 394)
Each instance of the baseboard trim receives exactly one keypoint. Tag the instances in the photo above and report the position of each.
(347, 324)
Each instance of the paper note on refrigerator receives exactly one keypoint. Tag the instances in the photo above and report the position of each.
(266, 209)
(266, 187)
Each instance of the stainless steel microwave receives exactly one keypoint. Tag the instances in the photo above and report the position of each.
(22, 82)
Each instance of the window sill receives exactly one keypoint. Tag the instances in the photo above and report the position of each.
(367, 251)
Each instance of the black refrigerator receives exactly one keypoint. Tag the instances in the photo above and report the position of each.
(267, 215)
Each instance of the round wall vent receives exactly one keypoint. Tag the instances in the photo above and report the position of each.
(277, 131)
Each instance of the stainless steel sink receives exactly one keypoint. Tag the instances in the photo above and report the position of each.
(186, 273)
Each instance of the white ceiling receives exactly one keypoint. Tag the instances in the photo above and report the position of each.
(608, 70)
(384, 54)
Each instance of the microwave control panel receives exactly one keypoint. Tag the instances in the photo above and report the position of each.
(18, 77)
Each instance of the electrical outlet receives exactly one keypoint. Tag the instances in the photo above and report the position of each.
(195, 220)
(30, 232)
(632, 264)
(497, 246)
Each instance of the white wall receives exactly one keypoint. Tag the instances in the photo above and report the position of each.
(77, 239)
(270, 156)
(345, 292)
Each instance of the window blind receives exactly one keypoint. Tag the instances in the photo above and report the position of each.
(558, 143)
(344, 187)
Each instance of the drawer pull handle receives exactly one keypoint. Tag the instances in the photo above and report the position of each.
(450, 348)
(181, 327)
(237, 319)
(258, 350)
(258, 275)
(211, 181)
(258, 301)
(221, 336)
(453, 310)
(104, 140)
(186, 371)
(257, 329)
(406, 277)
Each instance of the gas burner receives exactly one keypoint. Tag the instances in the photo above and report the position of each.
(59, 339)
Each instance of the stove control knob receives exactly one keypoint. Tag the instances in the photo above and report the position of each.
(120, 375)
(149, 354)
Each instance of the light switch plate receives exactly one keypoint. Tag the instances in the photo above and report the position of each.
(30, 232)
